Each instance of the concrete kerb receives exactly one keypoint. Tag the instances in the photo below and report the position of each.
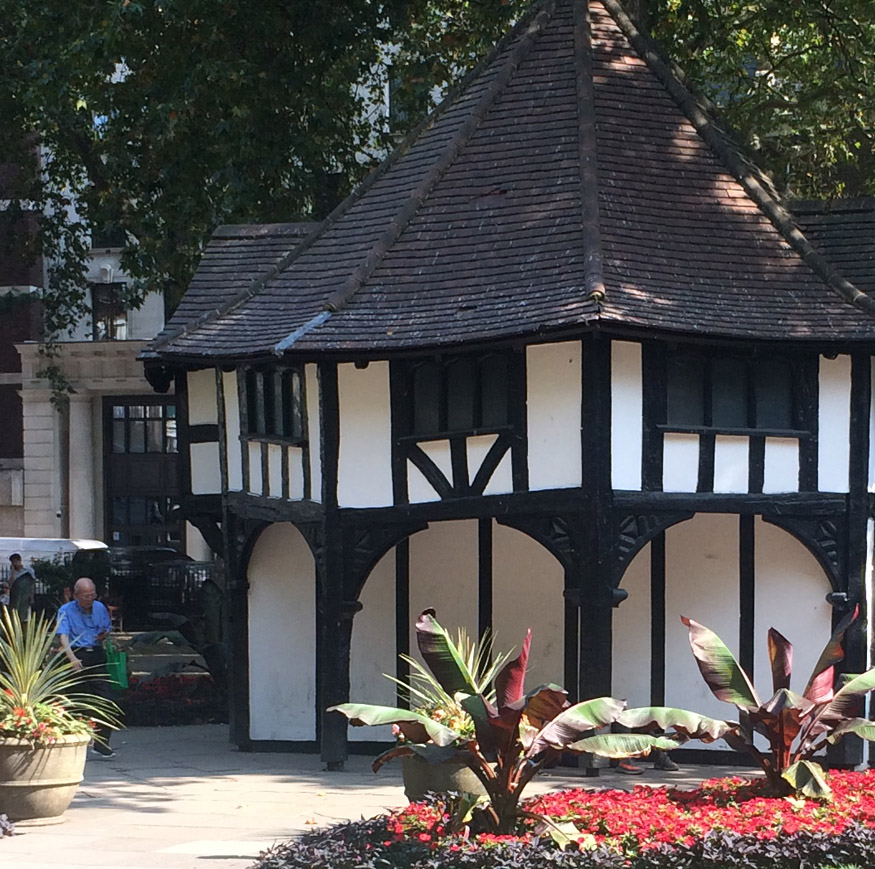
(185, 798)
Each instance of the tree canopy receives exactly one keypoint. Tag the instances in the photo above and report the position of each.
(158, 120)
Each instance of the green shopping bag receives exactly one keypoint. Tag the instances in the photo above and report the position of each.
(116, 666)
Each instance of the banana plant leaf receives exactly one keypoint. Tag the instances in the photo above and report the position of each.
(806, 778)
(617, 745)
(510, 682)
(430, 753)
(441, 655)
(862, 727)
(362, 714)
(847, 700)
(781, 659)
(682, 721)
(574, 721)
(822, 682)
(782, 717)
(718, 667)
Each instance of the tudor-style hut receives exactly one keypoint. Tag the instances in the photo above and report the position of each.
(564, 361)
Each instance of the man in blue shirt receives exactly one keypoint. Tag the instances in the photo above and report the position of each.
(83, 625)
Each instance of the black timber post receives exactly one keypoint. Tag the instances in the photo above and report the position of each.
(333, 622)
(849, 750)
(234, 530)
(594, 678)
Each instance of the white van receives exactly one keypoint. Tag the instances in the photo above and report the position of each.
(49, 548)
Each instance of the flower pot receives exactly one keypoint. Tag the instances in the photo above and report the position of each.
(38, 783)
(420, 777)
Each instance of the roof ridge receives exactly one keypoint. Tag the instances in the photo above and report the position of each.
(588, 154)
(757, 187)
(356, 280)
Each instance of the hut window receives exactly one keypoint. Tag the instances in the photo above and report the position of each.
(459, 394)
(730, 393)
(274, 403)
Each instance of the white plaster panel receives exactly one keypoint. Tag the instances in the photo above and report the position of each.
(781, 465)
(731, 464)
(373, 647)
(275, 470)
(202, 405)
(147, 321)
(553, 410)
(232, 430)
(527, 586)
(439, 453)
(365, 464)
(419, 490)
(680, 462)
(701, 578)
(626, 415)
(631, 629)
(256, 484)
(282, 636)
(314, 439)
(501, 480)
(477, 448)
(868, 579)
(444, 575)
(834, 421)
(206, 474)
(296, 473)
(790, 596)
(195, 545)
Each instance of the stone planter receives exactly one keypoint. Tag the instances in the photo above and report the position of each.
(37, 784)
(420, 777)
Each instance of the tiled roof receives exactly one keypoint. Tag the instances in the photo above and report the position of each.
(572, 179)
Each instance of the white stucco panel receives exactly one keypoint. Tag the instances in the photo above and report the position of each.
(311, 394)
(501, 480)
(256, 481)
(630, 634)
(232, 430)
(553, 410)
(731, 464)
(296, 473)
(282, 636)
(206, 476)
(680, 462)
(419, 490)
(275, 470)
(834, 424)
(365, 464)
(626, 415)
(373, 647)
(781, 465)
(202, 403)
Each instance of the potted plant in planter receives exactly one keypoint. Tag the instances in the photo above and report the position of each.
(425, 695)
(45, 725)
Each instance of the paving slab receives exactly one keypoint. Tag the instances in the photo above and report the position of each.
(185, 798)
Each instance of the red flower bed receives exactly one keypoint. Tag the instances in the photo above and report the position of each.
(649, 817)
(176, 698)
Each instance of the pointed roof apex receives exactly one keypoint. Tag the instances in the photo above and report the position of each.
(571, 179)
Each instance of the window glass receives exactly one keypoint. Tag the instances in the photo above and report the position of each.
(426, 399)
(729, 394)
(296, 426)
(461, 395)
(137, 434)
(494, 388)
(774, 394)
(118, 435)
(170, 435)
(685, 404)
(154, 428)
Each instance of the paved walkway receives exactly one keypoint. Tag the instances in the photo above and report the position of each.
(185, 798)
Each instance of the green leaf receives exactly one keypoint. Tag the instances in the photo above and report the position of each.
(806, 778)
(563, 834)
(574, 721)
(720, 670)
(365, 715)
(684, 722)
(616, 745)
(862, 727)
(846, 700)
(441, 656)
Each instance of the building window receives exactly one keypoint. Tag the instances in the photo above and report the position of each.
(108, 313)
(459, 394)
(275, 403)
(731, 393)
(144, 428)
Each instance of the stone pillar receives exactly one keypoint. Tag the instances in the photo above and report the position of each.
(83, 452)
(42, 490)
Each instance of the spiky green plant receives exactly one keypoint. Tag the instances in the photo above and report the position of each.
(41, 696)
(423, 693)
